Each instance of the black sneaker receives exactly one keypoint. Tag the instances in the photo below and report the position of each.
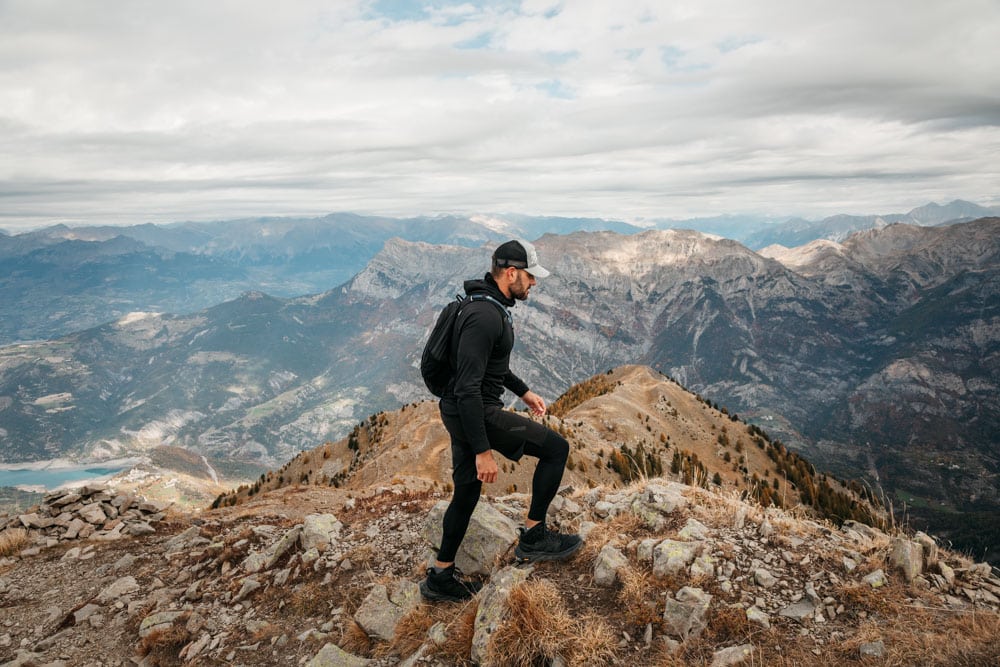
(446, 585)
(539, 543)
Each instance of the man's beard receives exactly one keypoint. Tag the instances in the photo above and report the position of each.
(519, 290)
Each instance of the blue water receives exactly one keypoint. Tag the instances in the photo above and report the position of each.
(54, 477)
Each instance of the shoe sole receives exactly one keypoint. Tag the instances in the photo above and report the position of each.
(545, 555)
(434, 596)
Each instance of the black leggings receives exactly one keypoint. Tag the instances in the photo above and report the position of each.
(551, 454)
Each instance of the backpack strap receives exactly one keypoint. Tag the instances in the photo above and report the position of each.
(486, 297)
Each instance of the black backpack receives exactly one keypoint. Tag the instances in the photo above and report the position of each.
(435, 362)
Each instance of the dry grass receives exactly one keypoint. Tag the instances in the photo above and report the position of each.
(163, 647)
(638, 597)
(612, 530)
(727, 626)
(540, 627)
(857, 597)
(13, 540)
(354, 639)
(310, 600)
(457, 648)
(411, 631)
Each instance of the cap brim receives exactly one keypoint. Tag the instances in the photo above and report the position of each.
(538, 271)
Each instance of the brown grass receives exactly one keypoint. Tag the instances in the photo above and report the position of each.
(457, 649)
(540, 627)
(311, 600)
(354, 639)
(727, 626)
(935, 638)
(13, 540)
(638, 597)
(611, 530)
(163, 647)
(411, 631)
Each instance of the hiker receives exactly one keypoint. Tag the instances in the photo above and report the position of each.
(480, 428)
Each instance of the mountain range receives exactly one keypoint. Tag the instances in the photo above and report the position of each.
(877, 357)
(60, 280)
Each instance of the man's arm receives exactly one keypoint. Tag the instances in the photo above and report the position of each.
(475, 335)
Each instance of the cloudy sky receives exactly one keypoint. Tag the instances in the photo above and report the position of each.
(128, 111)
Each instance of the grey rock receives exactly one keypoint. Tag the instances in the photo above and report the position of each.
(671, 556)
(250, 585)
(120, 588)
(907, 556)
(33, 520)
(929, 546)
(266, 559)
(123, 563)
(684, 615)
(383, 609)
(947, 572)
(319, 531)
(694, 530)
(140, 528)
(85, 612)
(490, 534)
(93, 514)
(758, 617)
(67, 499)
(764, 578)
(158, 621)
(800, 611)
(609, 562)
(875, 649)
(732, 655)
(179, 540)
(876, 579)
(332, 655)
(438, 633)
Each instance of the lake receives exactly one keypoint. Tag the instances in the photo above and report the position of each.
(51, 478)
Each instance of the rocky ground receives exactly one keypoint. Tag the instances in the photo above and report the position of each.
(670, 575)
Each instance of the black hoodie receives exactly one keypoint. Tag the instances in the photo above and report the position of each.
(481, 345)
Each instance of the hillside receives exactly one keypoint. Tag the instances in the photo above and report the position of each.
(316, 575)
(623, 425)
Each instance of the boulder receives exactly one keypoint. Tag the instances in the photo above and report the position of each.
(490, 534)
(266, 559)
(671, 556)
(383, 609)
(119, 589)
(800, 611)
(907, 556)
(732, 655)
(319, 531)
(93, 514)
(610, 561)
(159, 621)
(332, 655)
(684, 615)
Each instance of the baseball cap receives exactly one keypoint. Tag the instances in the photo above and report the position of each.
(520, 254)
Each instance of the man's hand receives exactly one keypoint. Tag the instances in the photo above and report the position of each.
(535, 403)
(486, 467)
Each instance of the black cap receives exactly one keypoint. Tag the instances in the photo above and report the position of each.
(520, 254)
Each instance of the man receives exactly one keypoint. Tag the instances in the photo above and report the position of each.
(474, 415)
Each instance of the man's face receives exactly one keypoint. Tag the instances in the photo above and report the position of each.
(522, 284)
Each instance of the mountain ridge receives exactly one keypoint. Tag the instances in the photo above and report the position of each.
(809, 358)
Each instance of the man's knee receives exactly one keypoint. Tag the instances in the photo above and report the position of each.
(556, 447)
